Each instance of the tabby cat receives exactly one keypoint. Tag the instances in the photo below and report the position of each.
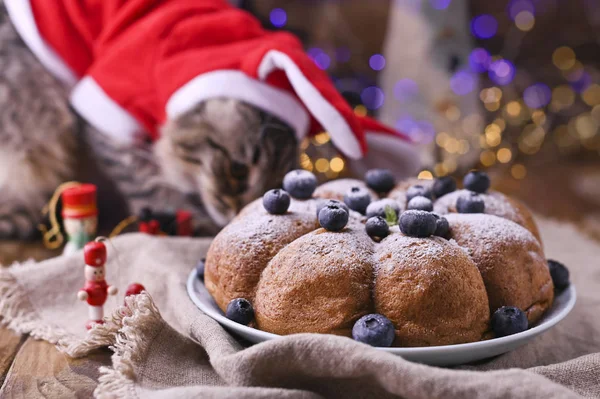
(212, 160)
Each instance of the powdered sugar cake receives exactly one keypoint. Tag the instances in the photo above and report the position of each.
(302, 278)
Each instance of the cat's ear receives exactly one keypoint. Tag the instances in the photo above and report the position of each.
(192, 119)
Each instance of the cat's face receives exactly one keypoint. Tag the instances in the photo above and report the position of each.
(228, 152)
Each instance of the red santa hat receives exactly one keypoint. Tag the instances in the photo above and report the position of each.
(94, 254)
(135, 63)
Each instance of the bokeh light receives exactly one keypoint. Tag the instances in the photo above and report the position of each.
(525, 21)
(516, 7)
(591, 95)
(336, 164)
(479, 60)
(537, 95)
(320, 58)
(342, 54)
(278, 17)
(462, 83)
(439, 4)
(372, 97)
(504, 155)
(484, 26)
(501, 72)
(377, 62)
(406, 90)
(564, 58)
(518, 171)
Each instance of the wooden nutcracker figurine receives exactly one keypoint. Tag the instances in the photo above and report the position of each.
(80, 216)
(95, 290)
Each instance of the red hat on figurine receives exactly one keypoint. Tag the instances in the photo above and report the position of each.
(135, 64)
(79, 202)
(94, 254)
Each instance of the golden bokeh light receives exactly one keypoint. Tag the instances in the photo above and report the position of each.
(452, 145)
(564, 58)
(450, 164)
(463, 147)
(305, 162)
(518, 171)
(322, 165)
(513, 109)
(442, 138)
(360, 110)
(596, 113)
(562, 137)
(440, 169)
(305, 143)
(494, 106)
(562, 97)
(531, 139)
(490, 95)
(525, 21)
(591, 95)
(453, 113)
(538, 117)
(493, 135)
(586, 126)
(487, 158)
(321, 138)
(504, 155)
(425, 175)
(501, 123)
(336, 164)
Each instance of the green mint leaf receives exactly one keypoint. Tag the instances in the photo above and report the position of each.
(390, 216)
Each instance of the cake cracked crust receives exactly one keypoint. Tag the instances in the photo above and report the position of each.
(302, 278)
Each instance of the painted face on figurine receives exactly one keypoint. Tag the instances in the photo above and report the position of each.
(94, 273)
(76, 226)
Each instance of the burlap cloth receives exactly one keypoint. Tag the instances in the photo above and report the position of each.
(164, 347)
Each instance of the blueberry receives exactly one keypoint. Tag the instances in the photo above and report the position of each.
(420, 203)
(357, 199)
(470, 203)
(443, 186)
(300, 183)
(442, 227)
(375, 330)
(240, 311)
(200, 269)
(559, 273)
(322, 202)
(276, 201)
(418, 223)
(377, 227)
(333, 217)
(417, 190)
(378, 208)
(380, 180)
(509, 320)
(477, 181)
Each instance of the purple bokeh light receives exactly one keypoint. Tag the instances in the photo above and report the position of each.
(342, 54)
(484, 26)
(405, 90)
(439, 4)
(479, 60)
(462, 82)
(517, 6)
(419, 131)
(278, 17)
(377, 62)
(537, 95)
(581, 82)
(320, 58)
(501, 72)
(372, 97)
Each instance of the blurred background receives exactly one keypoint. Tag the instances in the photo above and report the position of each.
(509, 86)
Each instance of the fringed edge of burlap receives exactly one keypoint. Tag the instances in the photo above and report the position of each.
(18, 314)
(139, 322)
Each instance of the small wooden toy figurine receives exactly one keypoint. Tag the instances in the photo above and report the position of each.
(95, 290)
(80, 216)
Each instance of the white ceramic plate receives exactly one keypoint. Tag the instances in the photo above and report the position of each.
(448, 355)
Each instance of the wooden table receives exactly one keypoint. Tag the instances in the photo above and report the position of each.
(30, 368)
